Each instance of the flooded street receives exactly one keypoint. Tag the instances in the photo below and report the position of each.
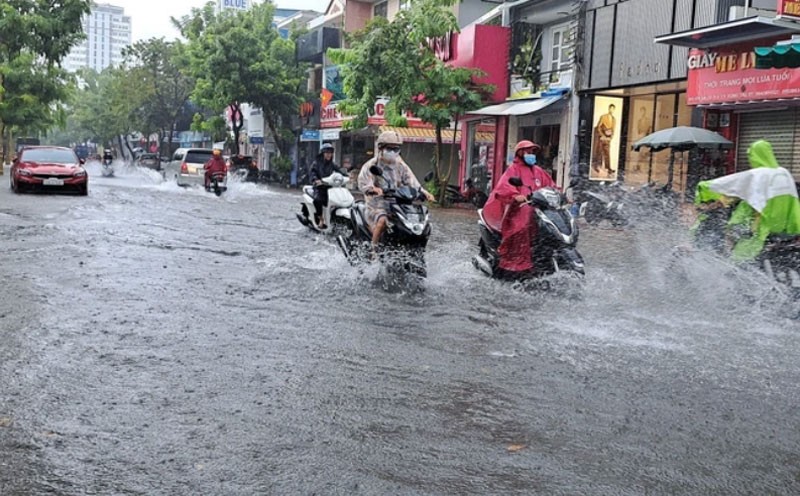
(159, 340)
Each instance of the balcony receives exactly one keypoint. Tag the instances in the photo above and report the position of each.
(312, 46)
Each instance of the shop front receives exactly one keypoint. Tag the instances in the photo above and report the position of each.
(738, 100)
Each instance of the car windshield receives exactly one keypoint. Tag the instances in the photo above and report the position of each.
(198, 156)
(53, 156)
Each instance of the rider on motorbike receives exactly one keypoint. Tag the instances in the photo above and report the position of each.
(769, 203)
(396, 173)
(215, 164)
(322, 167)
(507, 209)
(108, 157)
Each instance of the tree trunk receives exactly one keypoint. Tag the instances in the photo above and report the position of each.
(452, 151)
(437, 156)
(274, 130)
(128, 146)
(121, 149)
(4, 144)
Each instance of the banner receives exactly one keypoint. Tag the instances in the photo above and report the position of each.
(729, 76)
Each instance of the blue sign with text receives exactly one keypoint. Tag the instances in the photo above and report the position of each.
(256, 140)
(309, 135)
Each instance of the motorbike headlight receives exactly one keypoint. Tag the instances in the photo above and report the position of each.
(79, 173)
(25, 172)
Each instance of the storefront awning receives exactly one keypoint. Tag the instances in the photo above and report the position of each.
(778, 56)
(519, 107)
(428, 135)
(732, 32)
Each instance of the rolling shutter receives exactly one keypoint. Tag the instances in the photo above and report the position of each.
(777, 127)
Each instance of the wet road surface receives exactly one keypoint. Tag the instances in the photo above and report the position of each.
(156, 340)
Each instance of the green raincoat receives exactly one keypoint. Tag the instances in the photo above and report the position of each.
(769, 200)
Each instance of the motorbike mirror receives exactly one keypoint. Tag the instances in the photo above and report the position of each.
(515, 181)
(428, 176)
(375, 171)
(81, 161)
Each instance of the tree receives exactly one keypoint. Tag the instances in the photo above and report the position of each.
(397, 60)
(36, 36)
(240, 57)
(160, 69)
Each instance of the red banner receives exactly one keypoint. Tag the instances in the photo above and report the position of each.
(729, 76)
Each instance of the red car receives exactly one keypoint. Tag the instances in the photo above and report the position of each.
(47, 168)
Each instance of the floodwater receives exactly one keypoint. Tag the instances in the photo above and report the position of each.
(159, 340)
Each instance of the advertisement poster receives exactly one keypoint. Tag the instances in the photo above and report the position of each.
(606, 130)
(333, 82)
(640, 124)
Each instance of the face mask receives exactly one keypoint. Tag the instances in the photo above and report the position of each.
(529, 158)
(390, 156)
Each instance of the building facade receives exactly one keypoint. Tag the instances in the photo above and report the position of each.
(108, 32)
(637, 78)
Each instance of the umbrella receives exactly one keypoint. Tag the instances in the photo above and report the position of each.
(682, 138)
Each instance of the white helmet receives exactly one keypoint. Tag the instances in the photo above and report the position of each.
(389, 138)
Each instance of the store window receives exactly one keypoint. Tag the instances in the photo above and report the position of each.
(381, 10)
(640, 124)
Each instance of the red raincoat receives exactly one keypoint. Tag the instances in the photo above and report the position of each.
(214, 164)
(512, 218)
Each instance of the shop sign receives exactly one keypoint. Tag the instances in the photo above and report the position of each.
(720, 77)
(332, 117)
(329, 134)
(309, 135)
(789, 8)
(256, 140)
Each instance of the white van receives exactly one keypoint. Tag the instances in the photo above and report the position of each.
(186, 166)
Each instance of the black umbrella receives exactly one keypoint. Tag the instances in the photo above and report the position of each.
(681, 139)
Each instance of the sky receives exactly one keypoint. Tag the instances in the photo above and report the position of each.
(150, 18)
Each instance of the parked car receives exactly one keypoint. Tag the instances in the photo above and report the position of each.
(186, 166)
(48, 168)
(149, 161)
(244, 166)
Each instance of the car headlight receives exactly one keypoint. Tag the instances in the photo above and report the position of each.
(79, 173)
(24, 172)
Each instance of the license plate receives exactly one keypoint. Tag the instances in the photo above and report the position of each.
(52, 181)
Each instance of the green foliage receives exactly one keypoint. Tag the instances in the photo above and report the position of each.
(35, 35)
(395, 59)
(239, 57)
(527, 61)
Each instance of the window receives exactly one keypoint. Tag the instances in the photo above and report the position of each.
(381, 10)
(561, 48)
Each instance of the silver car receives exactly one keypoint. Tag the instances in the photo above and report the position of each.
(186, 166)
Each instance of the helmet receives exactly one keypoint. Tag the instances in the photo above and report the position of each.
(524, 144)
(326, 147)
(389, 138)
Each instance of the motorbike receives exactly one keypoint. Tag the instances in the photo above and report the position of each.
(780, 260)
(555, 246)
(217, 183)
(336, 214)
(107, 167)
(402, 247)
(603, 202)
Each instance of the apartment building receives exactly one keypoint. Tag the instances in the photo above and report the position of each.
(108, 32)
